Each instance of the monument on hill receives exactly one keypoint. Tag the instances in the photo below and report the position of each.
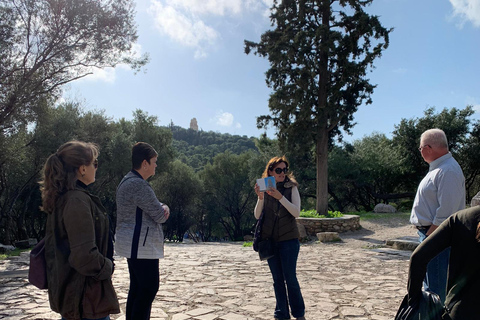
(193, 124)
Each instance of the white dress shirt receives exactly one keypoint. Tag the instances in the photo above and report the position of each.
(440, 194)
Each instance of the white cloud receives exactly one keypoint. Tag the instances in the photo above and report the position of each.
(107, 75)
(137, 50)
(466, 10)
(185, 21)
(187, 30)
(214, 7)
(471, 101)
(226, 119)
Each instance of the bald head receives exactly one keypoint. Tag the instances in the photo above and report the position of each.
(435, 138)
(433, 144)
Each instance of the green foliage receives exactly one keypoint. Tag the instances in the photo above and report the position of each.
(217, 202)
(314, 214)
(197, 148)
(364, 173)
(46, 44)
(229, 195)
(37, 57)
(405, 205)
(179, 187)
(463, 143)
(247, 244)
(319, 58)
(13, 253)
(406, 137)
(27, 150)
(376, 169)
(146, 128)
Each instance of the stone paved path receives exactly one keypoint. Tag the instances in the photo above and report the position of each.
(225, 281)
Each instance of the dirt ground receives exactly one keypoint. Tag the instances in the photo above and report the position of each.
(375, 232)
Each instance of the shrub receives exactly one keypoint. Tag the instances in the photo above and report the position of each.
(314, 214)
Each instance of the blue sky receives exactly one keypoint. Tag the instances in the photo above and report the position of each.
(198, 67)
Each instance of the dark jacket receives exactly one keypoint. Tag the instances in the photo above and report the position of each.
(285, 225)
(463, 281)
(78, 271)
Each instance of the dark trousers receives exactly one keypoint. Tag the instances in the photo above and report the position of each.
(144, 283)
(283, 266)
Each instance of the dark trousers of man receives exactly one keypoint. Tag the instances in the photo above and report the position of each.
(144, 283)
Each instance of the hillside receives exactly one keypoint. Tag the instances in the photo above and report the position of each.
(197, 148)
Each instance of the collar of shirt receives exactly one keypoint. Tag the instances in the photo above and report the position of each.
(437, 162)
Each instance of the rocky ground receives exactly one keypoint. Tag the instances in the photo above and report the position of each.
(354, 279)
(375, 232)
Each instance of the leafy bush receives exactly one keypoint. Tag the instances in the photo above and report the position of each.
(314, 214)
(247, 244)
(405, 205)
(13, 253)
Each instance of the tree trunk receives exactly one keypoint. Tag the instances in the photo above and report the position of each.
(322, 170)
(321, 147)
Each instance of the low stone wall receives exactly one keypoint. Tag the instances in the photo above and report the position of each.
(343, 224)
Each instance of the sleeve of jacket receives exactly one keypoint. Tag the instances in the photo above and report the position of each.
(146, 199)
(84, 257)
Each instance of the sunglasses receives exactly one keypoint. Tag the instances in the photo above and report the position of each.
(280, 170)
(95, 163)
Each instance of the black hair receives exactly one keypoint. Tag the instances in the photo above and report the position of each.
(142, 151)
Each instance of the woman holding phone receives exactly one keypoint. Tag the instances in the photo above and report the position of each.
(281, 207)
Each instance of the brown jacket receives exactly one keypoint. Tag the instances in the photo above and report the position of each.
(284, 227)
(78, 272)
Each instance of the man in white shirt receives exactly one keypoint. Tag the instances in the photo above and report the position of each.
(440, 194)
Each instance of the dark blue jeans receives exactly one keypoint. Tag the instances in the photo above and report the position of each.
(436, 276)
(283, 266)
(144, 283)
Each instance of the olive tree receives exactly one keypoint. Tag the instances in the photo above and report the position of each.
(45, 44)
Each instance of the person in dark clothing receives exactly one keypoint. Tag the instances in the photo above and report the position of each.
(77, 236)
(461, 232)
(281, 207)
